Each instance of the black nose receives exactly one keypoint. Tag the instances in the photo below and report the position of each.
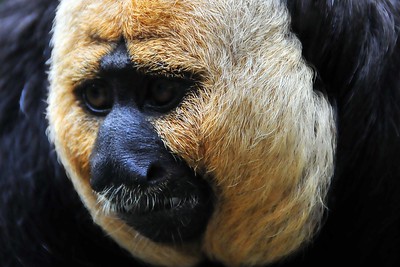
(127, 170)
(129, 152)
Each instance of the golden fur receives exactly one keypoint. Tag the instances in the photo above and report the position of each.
(257, 130)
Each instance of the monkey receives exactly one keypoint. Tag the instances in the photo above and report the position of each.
(199, 133)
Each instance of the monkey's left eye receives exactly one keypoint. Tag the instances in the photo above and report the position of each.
(98, 97)
(164, 94)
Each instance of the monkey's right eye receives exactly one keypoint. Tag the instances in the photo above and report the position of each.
(98, 97)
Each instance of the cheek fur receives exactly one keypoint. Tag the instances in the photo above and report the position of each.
(261, 132)
(181, 131)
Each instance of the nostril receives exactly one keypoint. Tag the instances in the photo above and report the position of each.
(156, 173)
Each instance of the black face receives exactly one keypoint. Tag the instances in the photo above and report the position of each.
(131, 170)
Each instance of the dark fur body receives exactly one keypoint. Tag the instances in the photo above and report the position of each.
(356, 52)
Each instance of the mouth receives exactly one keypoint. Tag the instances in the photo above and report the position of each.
(174, 211)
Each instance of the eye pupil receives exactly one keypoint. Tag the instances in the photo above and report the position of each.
(163, 92)
(98, 98)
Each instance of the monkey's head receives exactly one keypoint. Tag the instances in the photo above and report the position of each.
(190, 129)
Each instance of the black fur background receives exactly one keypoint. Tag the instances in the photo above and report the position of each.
(354, 47)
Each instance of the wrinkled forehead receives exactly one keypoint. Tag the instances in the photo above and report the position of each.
(199, 23)
(111, 20)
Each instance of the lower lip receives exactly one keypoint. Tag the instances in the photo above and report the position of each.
(179, 223)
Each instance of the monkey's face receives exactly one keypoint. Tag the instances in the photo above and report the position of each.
(190, 128)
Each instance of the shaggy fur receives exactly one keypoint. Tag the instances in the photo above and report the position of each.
(261, 129)
(275, 139)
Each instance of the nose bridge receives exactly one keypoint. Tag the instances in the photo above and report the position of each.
(125, 124)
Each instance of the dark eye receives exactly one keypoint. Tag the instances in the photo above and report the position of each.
(164, 94)
(98, 97)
